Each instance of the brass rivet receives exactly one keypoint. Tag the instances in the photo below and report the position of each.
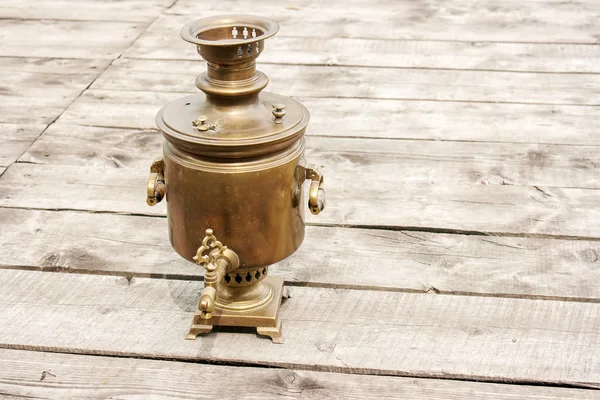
(200, 123)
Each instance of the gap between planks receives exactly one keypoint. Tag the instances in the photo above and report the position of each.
(364, 332)
(371, 83)
(69, 376)
(162, 41)
(391, 228)
(526, 210)
(295, 60)
(411, 120)
(408, 228)
(426, 290)
(434, 162)
(331, 257)
(401, 68)
(345, 226)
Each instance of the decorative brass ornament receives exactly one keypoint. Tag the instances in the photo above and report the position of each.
(233, 166)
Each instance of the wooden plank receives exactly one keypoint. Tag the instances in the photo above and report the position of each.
(122, 109)
(162, 41)
(394, 119)
(109, 177)
(72, 376)
(123, 10)
(490, 20)
(37, 90)
(391, 201)
(160, 378)
(330, 257)
(368, 83)
(442, 163)
(15, 139)
(67, 39)
(339, 330)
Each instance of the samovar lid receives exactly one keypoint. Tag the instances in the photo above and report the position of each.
(232, 118)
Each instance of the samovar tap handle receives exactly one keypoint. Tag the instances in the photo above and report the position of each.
(216, 260)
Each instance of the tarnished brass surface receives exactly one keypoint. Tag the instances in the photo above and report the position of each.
(256, 207)
(233, 165)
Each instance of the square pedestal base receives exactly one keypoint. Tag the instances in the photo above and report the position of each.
(265, 320)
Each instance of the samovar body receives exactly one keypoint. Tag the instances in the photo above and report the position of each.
(233, 167)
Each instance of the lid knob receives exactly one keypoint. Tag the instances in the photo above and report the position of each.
(201, 124)
(278, 113)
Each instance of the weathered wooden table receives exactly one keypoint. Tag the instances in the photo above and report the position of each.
(459, 253)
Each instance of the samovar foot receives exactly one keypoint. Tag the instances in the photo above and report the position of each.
(273, 333)
(265, 320)
(196, 330)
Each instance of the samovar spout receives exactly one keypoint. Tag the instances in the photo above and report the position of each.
(217, 260)
(206, 305)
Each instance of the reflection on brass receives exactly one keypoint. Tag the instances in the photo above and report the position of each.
(233, 167)
(278, 113)
(156, 183)
(316, 193)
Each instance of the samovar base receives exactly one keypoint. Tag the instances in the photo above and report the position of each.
(265, 320)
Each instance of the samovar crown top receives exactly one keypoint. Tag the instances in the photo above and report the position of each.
(229, 30)
(233, 119)
(230, 44)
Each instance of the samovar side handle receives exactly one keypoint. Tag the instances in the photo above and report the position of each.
(316, 193)
(156, 188)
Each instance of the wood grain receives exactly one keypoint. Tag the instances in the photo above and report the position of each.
(490, 20)
(330, 257)
(370, 83)
(162, 41)
(71, 376)
(331, 330)
(375, 118)
(37, 90)
(414, 161)
(123, 10)
(67, 39)
(15, 139)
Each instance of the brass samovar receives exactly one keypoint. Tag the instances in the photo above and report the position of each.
(233, 167)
